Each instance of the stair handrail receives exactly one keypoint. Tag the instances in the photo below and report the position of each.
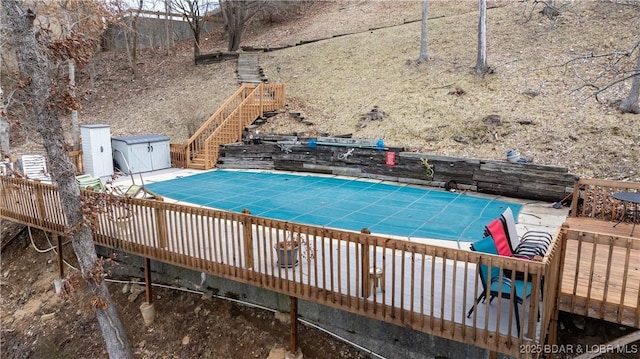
(250, 100)
(217, 118)
(211, 152)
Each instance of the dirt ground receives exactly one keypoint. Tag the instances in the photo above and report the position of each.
(37, 323)
(438, 107)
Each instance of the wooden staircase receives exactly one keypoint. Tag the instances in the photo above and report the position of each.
(226, 125)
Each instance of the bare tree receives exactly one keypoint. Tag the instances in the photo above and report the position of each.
(133, 48)
(4, 128)
(168, 26)
(194, 12)
(423, 34)
(481, 62)
(630, 104)
(613, 69)
(237, 13)
(39, 88)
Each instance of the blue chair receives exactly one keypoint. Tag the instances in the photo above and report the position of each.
(492, 283)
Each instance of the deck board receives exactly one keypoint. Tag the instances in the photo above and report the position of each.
(591, 292)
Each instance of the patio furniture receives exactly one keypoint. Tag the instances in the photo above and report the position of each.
(496, 284)
(89, 182)
(534, 243)
(531, 243)
(34, 167)
(632, 198)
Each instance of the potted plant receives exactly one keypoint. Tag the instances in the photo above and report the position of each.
(287, 250)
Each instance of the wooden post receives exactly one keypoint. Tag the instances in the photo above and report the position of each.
(293, 312)
(247, 238)
(147, 280)
(41, 212)
(365, 264)
(161, 223)
(261, 88)
(58, 240)
(554, 291)
(493, 354)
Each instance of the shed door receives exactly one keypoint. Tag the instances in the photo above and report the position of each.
(160, 157)
(140, 157)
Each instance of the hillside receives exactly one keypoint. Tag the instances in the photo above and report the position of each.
(437, 107)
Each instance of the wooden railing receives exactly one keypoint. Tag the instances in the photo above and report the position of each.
(593, 199)
(601, 277)
(423, 287)
(76, 159)
(227, 123)
(178, 155)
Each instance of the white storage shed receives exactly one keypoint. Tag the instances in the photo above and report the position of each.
(96, 150)
(143, 153)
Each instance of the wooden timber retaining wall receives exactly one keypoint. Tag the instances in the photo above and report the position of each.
(518, 180)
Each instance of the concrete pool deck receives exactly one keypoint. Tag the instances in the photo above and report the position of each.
(534, 215)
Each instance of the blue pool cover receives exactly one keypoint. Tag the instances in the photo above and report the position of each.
(341, 203)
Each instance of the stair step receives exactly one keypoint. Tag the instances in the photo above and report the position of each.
(197, 166)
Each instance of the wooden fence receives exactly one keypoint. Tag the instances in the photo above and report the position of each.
(423, 287)
(601, 276)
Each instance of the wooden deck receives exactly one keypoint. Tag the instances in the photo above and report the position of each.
(592, 268)
(601, 271)
(601, 276)
(426, 287)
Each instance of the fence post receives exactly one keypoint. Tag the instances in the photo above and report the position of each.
(147, 280)
(41, 212)
(247, 237)
(365, 250)
(293, 337)
(58, 240)
(261, 88)
(161, 223)
(556, 285)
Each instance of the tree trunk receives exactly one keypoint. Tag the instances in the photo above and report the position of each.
(168, 27)
(33, 64)
(423, 34)
(234, 17)
(196, 44)
(481, 63)
(630, 104)
(134, 37)
(234, 40)
(132, 64)
(4, 128)
(75, 126)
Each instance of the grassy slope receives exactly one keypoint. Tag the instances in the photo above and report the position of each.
(334, 82)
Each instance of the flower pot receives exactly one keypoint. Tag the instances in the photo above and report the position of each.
(287, 254)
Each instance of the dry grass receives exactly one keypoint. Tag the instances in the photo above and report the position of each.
(334, 82)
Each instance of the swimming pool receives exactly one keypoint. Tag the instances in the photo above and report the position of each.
(344, 203)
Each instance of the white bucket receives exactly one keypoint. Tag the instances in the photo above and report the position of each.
(513, 156)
